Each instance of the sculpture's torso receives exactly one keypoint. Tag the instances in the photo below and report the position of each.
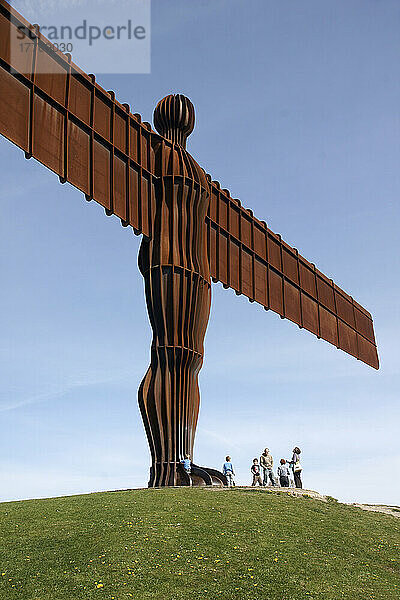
(182, 196)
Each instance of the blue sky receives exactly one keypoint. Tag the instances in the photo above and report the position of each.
(297, 107)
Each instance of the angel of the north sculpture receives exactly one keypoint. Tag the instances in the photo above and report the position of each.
(193, 231)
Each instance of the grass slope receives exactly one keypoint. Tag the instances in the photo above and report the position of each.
(196, 543)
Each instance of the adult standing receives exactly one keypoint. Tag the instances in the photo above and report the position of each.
(267, 463)
(296, 466)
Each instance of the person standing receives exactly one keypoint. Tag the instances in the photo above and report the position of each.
(296, 466)
(228, 471)
(283, 473)
(187, 463)
(267, 463)
(255, 470)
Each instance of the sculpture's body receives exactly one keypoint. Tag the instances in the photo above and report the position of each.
(174, 264)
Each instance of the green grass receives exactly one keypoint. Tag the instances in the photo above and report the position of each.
(196, 543)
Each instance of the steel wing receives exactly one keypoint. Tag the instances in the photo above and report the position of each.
(61, 117)
(247, 256)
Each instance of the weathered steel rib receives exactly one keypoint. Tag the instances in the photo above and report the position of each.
(247, 256)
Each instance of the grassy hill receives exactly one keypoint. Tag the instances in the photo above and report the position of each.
(196, 543)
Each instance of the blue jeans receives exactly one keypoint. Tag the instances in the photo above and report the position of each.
(268, 473)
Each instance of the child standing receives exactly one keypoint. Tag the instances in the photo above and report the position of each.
(186, 462)
(228, 471)
(255, 470)
(283, 473)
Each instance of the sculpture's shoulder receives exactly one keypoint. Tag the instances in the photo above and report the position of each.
(172, 159)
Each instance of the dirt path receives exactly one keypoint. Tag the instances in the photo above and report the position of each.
(384, 508)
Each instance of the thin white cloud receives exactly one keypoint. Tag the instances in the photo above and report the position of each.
(58, 392)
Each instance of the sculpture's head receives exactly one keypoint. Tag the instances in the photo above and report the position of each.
(174, 118)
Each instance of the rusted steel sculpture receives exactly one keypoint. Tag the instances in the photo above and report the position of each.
(174, 264)
(192, 229)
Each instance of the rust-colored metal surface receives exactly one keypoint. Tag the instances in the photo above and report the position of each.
(192, 229)
(247, 256)
(174, 265)
(65, 120)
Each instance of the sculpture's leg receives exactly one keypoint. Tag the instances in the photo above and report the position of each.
(178, 303)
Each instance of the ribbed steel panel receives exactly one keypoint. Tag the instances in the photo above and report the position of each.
(247, 256)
